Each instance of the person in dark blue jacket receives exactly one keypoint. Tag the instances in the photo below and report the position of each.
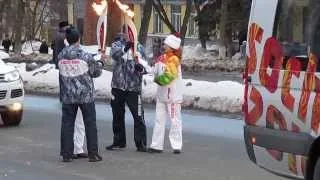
(77, 70)
(126, 89)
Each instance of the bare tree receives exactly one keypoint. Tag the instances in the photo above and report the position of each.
(233, 19)
(163, 14)
(38, 14)
(25, 19)
(164, 17)
(185, 22)
(147, 11)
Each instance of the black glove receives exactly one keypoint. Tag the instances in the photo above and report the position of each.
(138, 68)
(99, 64)
(129, 45)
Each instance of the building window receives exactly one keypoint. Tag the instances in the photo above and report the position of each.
(157, 24)
(176, 17)
(193, 27)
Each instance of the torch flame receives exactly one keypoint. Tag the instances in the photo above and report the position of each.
(101, 8)
(124, 8)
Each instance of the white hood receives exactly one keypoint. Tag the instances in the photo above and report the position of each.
(4, 68)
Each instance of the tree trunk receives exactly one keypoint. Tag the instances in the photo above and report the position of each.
(18, 23)
(185, 23)
(3, 11)
(147, 11)
(225, 31)
(203, 43)
(203, 40)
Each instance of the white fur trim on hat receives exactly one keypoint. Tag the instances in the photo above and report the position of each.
(173, 41)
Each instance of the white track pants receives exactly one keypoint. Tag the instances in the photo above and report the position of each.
(79, 134)
(163, 112)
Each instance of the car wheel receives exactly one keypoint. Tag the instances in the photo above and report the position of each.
(316, 173)
(12, 118)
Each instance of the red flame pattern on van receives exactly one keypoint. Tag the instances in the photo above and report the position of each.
(256, 112)
(275, 117)
(308, 86)
(293, 66)
(273, 56)
(255, 34)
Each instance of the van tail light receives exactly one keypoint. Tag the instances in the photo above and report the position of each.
(253, 140)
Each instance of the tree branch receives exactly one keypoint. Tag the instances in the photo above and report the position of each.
(163, 15)
(147, 11)
(42, 17)
(186, 19)
(197, 6)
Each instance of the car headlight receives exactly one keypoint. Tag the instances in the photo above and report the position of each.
(16, 107)
(12, 76)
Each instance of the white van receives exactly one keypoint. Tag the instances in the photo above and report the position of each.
(11, 95)
(282, 87)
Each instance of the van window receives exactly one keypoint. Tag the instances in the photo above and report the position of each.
(290, 29)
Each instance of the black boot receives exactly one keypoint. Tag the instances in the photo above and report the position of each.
(151, 150)
(142, 149)
(115, 147)
(95, 158)
(66, 159)
(80, 156)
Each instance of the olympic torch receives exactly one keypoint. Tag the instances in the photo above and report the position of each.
(102, 10)
(129, 26)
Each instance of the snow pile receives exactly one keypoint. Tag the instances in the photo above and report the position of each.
(30, 58)
(4, 55)
(197, 52)
(237, 57)
(197, 59)
(30, 47)
(200, 65)
(194, 58)
(224, 96)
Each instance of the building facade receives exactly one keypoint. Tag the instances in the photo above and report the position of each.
(175, 10)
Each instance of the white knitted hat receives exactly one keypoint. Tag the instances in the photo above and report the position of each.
(173, 41)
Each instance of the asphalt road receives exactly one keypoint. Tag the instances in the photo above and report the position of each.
(213, 150)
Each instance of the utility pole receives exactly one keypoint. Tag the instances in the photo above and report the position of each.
(70, 11)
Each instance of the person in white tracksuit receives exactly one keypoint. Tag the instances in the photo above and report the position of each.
(167, 73)
(79, 137)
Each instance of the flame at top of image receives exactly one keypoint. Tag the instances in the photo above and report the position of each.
(101, 8)
(125, 8)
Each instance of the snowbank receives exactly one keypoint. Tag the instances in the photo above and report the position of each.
(194, 58)
(4, 55)
(30, 47)
(197, 59)
(212, 64)
(33, 47)
(224, 96)
(197, 52)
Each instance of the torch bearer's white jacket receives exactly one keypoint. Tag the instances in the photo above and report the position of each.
(167, 74)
